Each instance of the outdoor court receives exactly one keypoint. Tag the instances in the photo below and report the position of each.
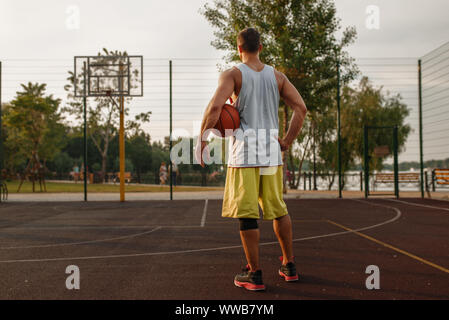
(184, 250)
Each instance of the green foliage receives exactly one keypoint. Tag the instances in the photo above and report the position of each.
(63, 163)
(139, 151)
(14, 158)
(96, 167)
(299, 39)
(370, 106)
(33, 126)
(128, 165)
(360, 105)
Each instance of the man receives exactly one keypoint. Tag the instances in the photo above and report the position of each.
(255, 174)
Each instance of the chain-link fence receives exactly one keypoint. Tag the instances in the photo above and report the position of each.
(193, 84)
(435, 115)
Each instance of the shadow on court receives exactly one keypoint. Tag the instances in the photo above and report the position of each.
(185, 250)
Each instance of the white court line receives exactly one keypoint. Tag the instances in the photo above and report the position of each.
(203, 218)
(96, 227)
(147, 254)
(418, 204)
(82, 242)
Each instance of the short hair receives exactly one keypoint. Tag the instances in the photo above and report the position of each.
(249, 40)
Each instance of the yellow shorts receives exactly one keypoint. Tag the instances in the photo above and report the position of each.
(246, 188)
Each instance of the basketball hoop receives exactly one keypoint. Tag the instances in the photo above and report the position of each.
(109, 76)
(116, 76)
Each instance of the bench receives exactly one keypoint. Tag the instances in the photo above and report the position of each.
(403, 177)
(127, 177)
(440, 177)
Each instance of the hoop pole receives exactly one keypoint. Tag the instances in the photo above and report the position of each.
(338, 130)
(421, 152)
(171, 128)
(85, 133)
(122, 139)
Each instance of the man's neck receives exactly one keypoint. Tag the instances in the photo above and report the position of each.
(252, 59)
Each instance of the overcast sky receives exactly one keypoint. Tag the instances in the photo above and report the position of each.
(174, 28)
(40, 38)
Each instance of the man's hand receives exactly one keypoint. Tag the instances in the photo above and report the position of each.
(203, 146)
(284, 145)
(200, 149)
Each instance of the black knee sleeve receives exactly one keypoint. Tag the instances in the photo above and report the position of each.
(248, 224)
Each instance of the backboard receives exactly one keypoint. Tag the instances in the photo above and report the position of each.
(99, 76)
(381, 151)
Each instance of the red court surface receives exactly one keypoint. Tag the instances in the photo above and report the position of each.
(186, 250)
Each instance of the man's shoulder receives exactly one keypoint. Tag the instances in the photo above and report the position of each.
(233, 71)
(280, 76)
(233, 74)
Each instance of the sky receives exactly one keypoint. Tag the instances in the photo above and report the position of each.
(40, 38)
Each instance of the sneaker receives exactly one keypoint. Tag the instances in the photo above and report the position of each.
(288, 272)
(250, 280)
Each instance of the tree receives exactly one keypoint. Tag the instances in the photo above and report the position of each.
(14, 158)
(62, 163)
(139, 152)
(367, 105)
(34, 128)
(299, 39)
(103, 118)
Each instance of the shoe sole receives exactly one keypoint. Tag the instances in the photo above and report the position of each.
(288, 278)
(249, 286)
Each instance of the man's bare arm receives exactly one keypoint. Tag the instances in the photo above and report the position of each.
(225, 89)
(226, 85)
(293, 99)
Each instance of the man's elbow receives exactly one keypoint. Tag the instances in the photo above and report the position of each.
(301, 109)
(215, 110)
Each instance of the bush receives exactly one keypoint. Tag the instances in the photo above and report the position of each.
(62, 163)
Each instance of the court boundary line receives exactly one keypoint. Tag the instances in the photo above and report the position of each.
(419, 205)
(147, 254)
(389, 246)
(63, 228)
(90, 227)
(83, 242)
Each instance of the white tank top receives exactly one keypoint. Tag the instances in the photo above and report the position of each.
(255, 143)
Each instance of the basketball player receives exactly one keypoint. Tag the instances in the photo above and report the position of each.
(255, 175)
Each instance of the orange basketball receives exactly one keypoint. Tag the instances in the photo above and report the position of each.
(229, 119)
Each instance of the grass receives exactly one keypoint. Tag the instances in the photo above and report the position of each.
(61, 187)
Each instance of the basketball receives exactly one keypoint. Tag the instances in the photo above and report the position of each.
(229, 119)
